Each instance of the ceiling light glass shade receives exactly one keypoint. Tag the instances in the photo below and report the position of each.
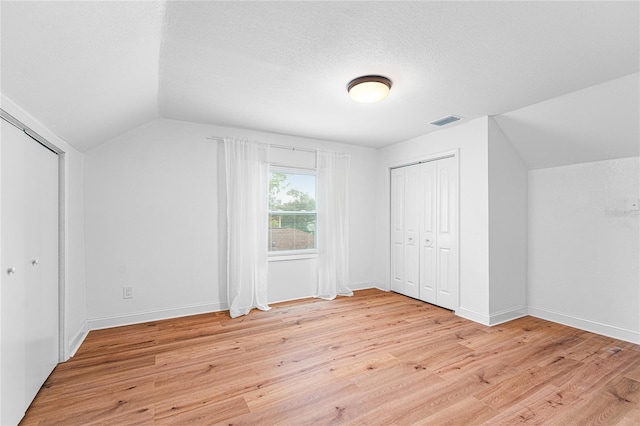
(369, 89)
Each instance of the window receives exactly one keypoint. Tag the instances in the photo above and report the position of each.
(292, 211)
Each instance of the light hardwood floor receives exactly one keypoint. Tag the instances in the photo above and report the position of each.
(375, 358)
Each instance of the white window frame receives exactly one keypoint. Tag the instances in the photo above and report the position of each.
(302, 253)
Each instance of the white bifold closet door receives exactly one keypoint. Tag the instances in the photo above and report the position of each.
(424, 231)
(29, 275)
(405, 223)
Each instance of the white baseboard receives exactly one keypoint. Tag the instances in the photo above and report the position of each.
(155, 315)
(382, 287)
(507, 315)
(367, 286)
(571, 321)
(352, 287)
(273, 302)
(587, 325)
(161, 314)
(492, 319)
(473, 316)
(362, 286)
(75, 342)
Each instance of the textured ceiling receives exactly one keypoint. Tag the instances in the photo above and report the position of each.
(93, 70)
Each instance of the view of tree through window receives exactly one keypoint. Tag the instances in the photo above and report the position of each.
(292, 210)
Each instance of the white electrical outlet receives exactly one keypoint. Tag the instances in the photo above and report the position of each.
(127, 292)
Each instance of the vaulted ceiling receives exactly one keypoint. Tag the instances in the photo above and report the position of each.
(91, 71)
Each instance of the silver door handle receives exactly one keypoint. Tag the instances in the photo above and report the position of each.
(11, 271)
(427, 242)
(34, 262)
(410, 240)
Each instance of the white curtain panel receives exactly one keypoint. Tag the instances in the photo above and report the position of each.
(247, 192)
(333, 226)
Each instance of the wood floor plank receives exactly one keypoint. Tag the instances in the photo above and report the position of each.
(381, 393)
(632, 418)
(607, 405)
(319, 401)
(590, 347)
(539, 407)
(372, 359)
(597, 371)
(633, 371)
(200, 412)
(94, 408)
(468, 411)
(517, 387)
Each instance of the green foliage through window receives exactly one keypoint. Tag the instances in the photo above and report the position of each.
(292, 210)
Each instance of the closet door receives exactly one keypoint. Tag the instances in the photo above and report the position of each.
(424, 232)
(405, 227)
(48, 262)
(12, 276)
(397, 230)
(446, 235)
(41, 265)
(428, 252)
(411, 286)
(32, 272)
(29, 293)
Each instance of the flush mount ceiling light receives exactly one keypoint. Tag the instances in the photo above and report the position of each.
(369, 88)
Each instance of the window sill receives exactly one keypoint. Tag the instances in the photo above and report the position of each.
(291, 256)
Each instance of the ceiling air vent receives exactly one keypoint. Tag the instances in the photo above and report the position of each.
(446, 120)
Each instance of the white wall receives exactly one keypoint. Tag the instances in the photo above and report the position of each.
(75, 312)
(151, 222)
(471, 140)
(584, 249)
(507, 228)
(154, 220)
